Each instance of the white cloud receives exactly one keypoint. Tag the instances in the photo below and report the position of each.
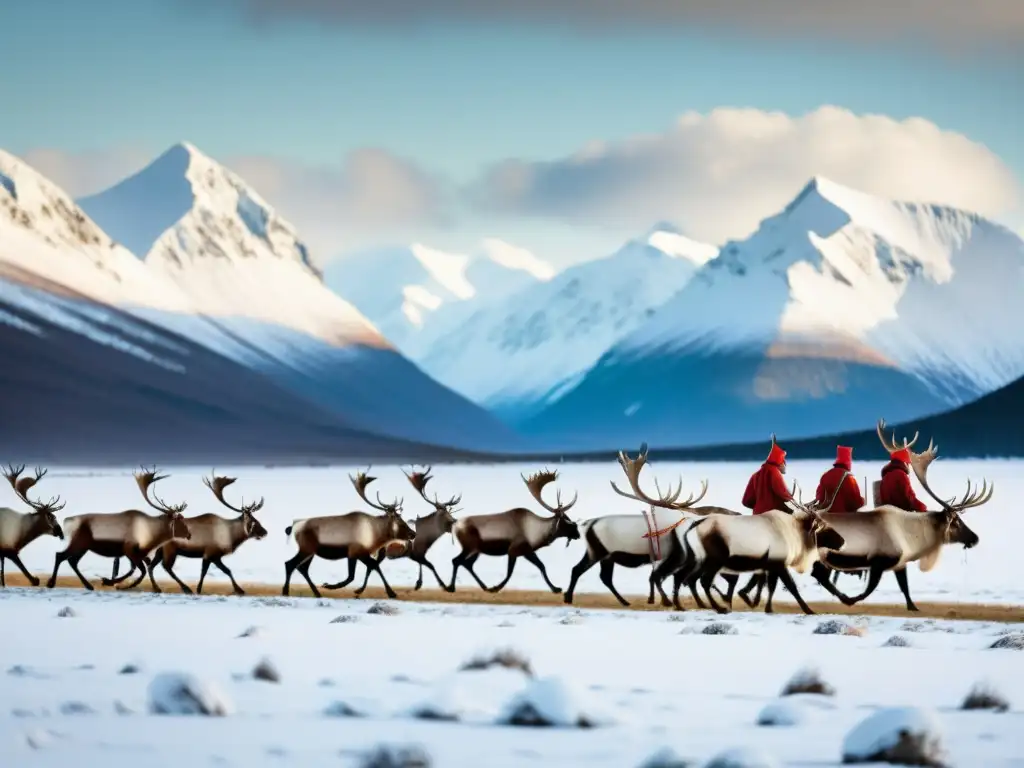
(721, 173)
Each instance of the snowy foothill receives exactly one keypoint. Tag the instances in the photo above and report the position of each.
(979, 575)
(167, 680)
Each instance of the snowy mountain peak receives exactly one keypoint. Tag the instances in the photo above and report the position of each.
(194, 221)
(33, 203)
(183, 182)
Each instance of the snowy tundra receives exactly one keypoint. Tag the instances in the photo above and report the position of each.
(984, 574)
(95, 679)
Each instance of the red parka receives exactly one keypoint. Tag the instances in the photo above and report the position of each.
(848, 499)
(896, 489)
(766, 490)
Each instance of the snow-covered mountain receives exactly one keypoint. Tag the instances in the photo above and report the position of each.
(516, 354)
(406, 291)
(220, 300)
(841, 308)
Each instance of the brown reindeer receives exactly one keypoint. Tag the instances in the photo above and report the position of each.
(131, 534)
(213, 537)
(514, 533)
(355, 536)
(889, 539)
(429, 529)
(18, 529)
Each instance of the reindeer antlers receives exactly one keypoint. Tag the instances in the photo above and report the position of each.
(974, 497)
(890, 445)
(146, 479)
(632, 468)
(536, 482)
(22, 485)
(361, 480)
(419, 481)
(219, 483)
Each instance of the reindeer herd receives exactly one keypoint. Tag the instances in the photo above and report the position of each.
(692, 544)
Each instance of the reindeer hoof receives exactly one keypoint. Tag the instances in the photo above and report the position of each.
(51, 584)
(556, 590)
(567, 597)
(450, 590)
(417, 586)
(89, 587)
(913, 607)
(107, 582)
(34, 582)
(184, 590)
(239, 592)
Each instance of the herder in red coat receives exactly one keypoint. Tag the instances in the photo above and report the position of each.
(896, 489)
(848, 498)
(766, 490)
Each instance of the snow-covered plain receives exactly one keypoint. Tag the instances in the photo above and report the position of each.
(984, 574)
(83, 672)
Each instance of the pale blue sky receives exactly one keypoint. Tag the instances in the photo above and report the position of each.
(143, 74)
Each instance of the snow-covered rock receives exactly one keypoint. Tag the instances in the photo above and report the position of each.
(471, 696)
(899, 735)
(176, 693)
(742, 757)
(840, 307)
(517, 354)
(412, 294)
(551, 701)
(794, 709)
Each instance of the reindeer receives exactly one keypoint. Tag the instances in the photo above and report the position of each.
(429, 529)
(631, 540)
(770, 543)
(131, 534)
(213, 538)
(889, 539)
(18, 529)
(514, 533)
(665, 549)
(356, 536)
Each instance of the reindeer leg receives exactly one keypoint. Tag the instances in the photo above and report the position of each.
(706, 580)
(607, 569)
(366, 579)
(123, 577)
(466, 562)
(772, 579)
(303, 568)
(730, 579)
(822, 574)
(419, 579)
(369, 562)
(3, 580)
(114, 570)
(790, 585)
(219, 562)
(873, 579)
(585, 564)
(511, 567)
(21, 567)
(289, 567)
(351, 575)
(433, 570)
(757, 580)
(531, 557)
(140, 561)
(73, 562)
(204, 568)
(59, 558)
(901, 579)
(168, 563)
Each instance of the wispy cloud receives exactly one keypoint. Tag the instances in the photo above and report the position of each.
(721, 173)
(953, 24)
